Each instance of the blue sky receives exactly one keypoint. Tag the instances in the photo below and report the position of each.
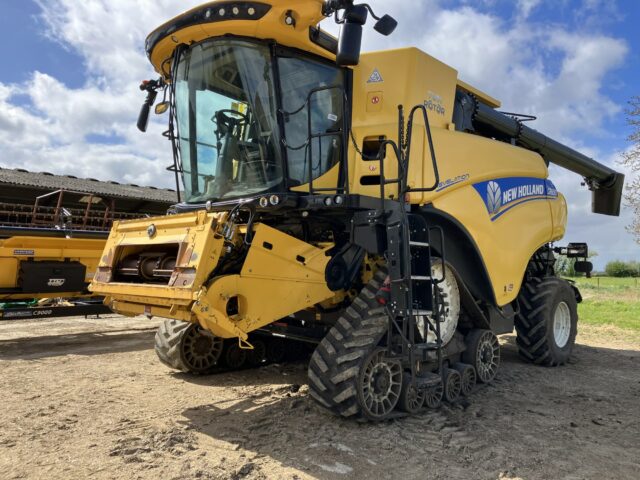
(69, 97)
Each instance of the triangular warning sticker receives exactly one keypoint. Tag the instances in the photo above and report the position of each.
(375, 77)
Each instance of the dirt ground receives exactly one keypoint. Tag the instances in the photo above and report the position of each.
(88, 399)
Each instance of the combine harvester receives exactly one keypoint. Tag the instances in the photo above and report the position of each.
(50, 248)
(373, 205)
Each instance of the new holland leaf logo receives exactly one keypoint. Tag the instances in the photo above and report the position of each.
(375, 77)
(494, 197)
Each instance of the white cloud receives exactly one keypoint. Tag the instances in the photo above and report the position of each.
(525, 7)
(546, 70)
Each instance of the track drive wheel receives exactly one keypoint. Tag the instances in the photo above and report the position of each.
(548, 321)
(483, 353)
(467, 378)
(452, 385)
(187, 347)
(348, 373)
(411, 399)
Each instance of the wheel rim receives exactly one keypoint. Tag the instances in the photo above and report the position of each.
(201, 351)
(487, 357)
(433, 396)
(467, 381)
(381, 384)
(562, 324)
(453, 387)
(235, 356)
(413, 398)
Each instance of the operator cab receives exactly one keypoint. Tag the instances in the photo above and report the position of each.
(253, 119)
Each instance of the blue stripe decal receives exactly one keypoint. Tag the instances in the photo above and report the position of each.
(502, 194)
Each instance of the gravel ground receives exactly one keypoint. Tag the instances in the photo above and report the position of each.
(88, 399)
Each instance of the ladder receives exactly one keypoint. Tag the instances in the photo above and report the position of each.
(415, 300)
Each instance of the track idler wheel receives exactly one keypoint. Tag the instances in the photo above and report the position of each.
(411, 399)
(452, 385)
(483, 352)
(467, 378)
(234, 357)
(379, 385)
(187, 347)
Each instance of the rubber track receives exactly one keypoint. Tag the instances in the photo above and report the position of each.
(531, 321)
(336, 362)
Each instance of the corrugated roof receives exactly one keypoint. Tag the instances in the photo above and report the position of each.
(49, 181)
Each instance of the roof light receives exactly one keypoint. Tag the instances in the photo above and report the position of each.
(274, 200)
(222, 12)
(264, 202)
(235, 11)
(328, 201)
(251, 11)
(339, 200)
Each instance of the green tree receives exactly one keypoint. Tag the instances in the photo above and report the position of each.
(631, 159)
(618, 268)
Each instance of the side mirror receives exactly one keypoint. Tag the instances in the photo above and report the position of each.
(350, 41)
(386, 25)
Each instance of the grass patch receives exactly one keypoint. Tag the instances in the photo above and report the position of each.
(620, 313)
(610, 301)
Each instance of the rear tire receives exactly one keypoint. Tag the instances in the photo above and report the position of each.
(548, 321)
(187, 347)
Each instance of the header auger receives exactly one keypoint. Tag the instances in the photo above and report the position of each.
(397, 242)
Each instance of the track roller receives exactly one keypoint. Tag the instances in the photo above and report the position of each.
(411, 399)
(452, 385)
(467, 378)
(433, 396)
(234, 357)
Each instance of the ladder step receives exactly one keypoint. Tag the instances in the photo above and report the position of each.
(419, 244)
(422, 313)
(421, 278)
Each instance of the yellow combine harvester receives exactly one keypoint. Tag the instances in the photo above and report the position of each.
(374, 204)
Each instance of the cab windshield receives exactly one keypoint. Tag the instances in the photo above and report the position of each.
(227, 112)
